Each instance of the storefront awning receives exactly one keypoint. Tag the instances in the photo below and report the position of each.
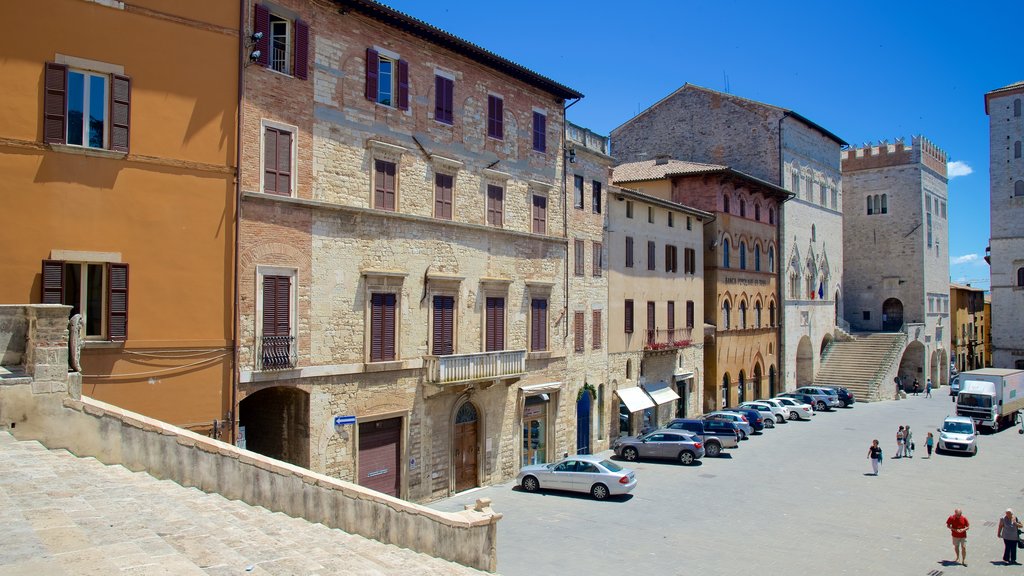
(634, 398)
(682, 375)
(661, 392)
(539, 388)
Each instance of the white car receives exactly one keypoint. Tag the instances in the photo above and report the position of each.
(958, 434)
(797, 410)
(767, 413)
(781, 412)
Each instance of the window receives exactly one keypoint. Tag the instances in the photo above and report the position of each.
(494, 324)
(443, 196)
(771, 215)
(86, 108)
(1020, 277)
(725, 204)
(743, 314)
(382, 326)
(743, 255)
(579, 330)
(495, 204)
(1016, 107)
(1016, 149)
(284, 45)
(629, 209)
(97, 291)
(443, 329)
(814, 233)
(1018, 188)
(690, 260)
(597, 258)
(629, 251)
(671, 259)
(725, 253)
(795, 182)
(928, 218)
(689, 313)
(276, 338)
(444, 99)
(871, 206)
(671, 220)
(689, 223)
(943, 211)
(757, 258)
(628, 317)
(885, 203)
(278, 152)
(725, 315)
(384, 185)
(595, 330)
(540, 132)
(757, 314)
(577, 200)
(538, 324)
(650, 255)
(866, 315)
(495, 117)
(757, 212)
(670, 320)
(743, 208)
(822, 188)
(595, 197)
(835, 198)
(540, 214)
(771, 259)
(579, 257)
(771, 314)
(651, 321)
(650, 215)
(387, 79)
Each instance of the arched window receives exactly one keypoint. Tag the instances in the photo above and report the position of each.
(1016, 149)
(757, 258)
(771, 215)
(835, 198)
(743, 255)
(757, 212)
(725, 203)
(1018, 188)
(822, 189)
(757, 314)
(771, 259)
(743, 208)
(870, 206)
(629, 369)
(1020, 276)
(878, 204)
(1016, 107)
(771, 314)
(885, 204)
(814, 233)
(725, 253)
(743, 314)
(725, 315)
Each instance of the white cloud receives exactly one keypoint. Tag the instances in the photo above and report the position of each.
(963, 259)
(958, 168)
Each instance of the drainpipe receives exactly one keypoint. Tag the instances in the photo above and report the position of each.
(565, 216)
(780, 286)
(242, 56)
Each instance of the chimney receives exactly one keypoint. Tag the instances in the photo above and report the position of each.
(661, 159)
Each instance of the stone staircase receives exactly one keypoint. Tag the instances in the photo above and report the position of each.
(862, 364)
(66, 515)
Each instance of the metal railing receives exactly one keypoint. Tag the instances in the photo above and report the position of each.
(277, 353)
(479, 366)
(668, 339)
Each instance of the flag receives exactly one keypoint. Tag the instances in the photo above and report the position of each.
(821, 290)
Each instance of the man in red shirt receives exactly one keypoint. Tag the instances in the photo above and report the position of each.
(958, 525)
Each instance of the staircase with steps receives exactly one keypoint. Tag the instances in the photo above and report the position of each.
(68, 515)
(862, 363)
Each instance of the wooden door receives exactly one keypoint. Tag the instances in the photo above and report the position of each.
(465, 447)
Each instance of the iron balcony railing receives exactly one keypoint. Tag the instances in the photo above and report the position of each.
(668, 339)
(277, 353)
(455, 368)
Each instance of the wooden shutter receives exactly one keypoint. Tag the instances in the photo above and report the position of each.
(389, 327)
(598, 258)
(651, 265)
(495, 201)
(372, 65)
(284, 163)
(628, 315)
(269, 306)
(277, 306)
(444, 326)
(650, 316)
(579, 255)
(538, 324)
(671, 322)
(382, 327)
(117, 302)
(540, 214)
(578, 319)
(52, 282)
(300, 66)
(689, 313)
(595, 197)
(443, 196)
(495, 117)
(270, 160)
(629, 251)
(261, 25)
(55, 104)
(539, 132)
(384, 188)
(403, 85)
(495, 329)
(120, 112)
(443, 99)
(595, 330)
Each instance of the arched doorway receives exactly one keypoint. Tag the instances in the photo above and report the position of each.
(944, 370)
(583, 411)
(825, 343)
(772, 390)
(804, 362)
(465, 447)
(725, 391)
(741, 389)
(761, 393)
(276, 424)
(835, 309)
(912, 365)
(892, 315)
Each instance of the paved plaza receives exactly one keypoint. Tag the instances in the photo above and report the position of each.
(793, 500)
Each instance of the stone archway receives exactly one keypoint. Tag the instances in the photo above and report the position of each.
(943, 369)
(892, 315)
(741, 388)
(760, 390)
(825, 343)
(466, 445)
(912, 365)
(276, 423)
(772, 388)
(804, 362)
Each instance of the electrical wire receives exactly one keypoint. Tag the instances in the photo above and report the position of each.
(158, 371)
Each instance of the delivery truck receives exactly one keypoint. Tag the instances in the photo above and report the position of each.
(992, 397)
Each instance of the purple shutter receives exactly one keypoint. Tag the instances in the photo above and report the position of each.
(53, 282)
(55, 105)
(269, 306)
(443, 99)
(301, 52)
(539, 132)
(270, 160)
(120, 112)
(117, 303)
(403, 85)
(261, 25)
(372, 65)
(284, 163)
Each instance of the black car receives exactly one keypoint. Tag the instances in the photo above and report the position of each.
(753, 417)
(715, 434)
(846, 399)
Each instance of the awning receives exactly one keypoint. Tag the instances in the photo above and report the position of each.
(661, 392)
(634, 398)
(539, 388)
(682, 375)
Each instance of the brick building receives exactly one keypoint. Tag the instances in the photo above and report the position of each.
(403, 311)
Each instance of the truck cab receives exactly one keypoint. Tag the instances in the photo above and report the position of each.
(992, 397)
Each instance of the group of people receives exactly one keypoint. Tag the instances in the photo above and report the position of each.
(1008, 529)
(905, 447)
(915, 388)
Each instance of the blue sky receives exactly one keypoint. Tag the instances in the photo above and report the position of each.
(866, 70)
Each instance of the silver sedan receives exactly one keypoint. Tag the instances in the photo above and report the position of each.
(581, 473)
(667, 444)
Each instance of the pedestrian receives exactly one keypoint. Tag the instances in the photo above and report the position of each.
(1009, 530)
(929, 442)
(928, 389)
(899, 388)
(917, 386)
(875, 455)
(958, 526)
(899, 443)
(908, 443)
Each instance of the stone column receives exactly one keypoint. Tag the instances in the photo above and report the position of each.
(46, 349)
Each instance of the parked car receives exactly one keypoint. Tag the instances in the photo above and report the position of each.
(808, 399)
(769, 413)
(714, 434)
(954, 385)
(662, 443)
(581, 473)
(958, 434)
(781, 410)
(822, 399)
(846, 399)
(739, 420)
(753, 417)
(797, 410)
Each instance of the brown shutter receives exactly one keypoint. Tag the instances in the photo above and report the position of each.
(284, 163)
(499, 117)
(376, 327)
(539, 132)
(651, 265)
(269, 306)
(372, 66)
(282, 306)
(597, 258)
(384, 185)
(629, 251)
(443, 196)
(579, 257)
(628, 316)
(689, 313)
(261, 25)
(538, 324)
(540, 218)
(595, 330)
(671, 323)
(301, 53)
(117, 303)
(495, 202)
(52, 282)
(443, 328)
(120, 112)
(403, 85)
(270, 160)
(55, 104)
(389, 327)
(578, 326)
(439, 89)
(650, 316)
(495, 329)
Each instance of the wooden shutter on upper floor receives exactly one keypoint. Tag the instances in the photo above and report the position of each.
(55, 104)
(372, 70)
(628, 317)
(495, 328)
(389, 327)
(382, 327)
(595, 331)
(403, 85)
(117, 302)
(538, 324)
(443, 196)
(384, 187)
(671, 321)
(539, 132)
(579, 257)
(495, 202)
(277, 306)
(300, 67)
(540, 214)
(629, 251)
(443, 99)
(444, 326)
(277, 161)
(689, 313)
(52, 282)
(578, 319)
(120, 112)
(495, 117)
(261, 25)
(650, 316)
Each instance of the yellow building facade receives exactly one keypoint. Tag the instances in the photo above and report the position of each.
(969, 330)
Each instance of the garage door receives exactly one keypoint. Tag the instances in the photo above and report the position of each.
(379, 449)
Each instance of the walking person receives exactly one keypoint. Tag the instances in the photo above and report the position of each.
(908, 443)
(929, 442)
(928, 389)
(917, 386)
(875, 455)
(958, 526)
(899, 443)
(1009, 530)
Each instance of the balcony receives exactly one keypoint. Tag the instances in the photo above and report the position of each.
(668, 339)
(459, 368)
(277, 353)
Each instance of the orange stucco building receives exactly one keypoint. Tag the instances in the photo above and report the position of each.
(128, 217)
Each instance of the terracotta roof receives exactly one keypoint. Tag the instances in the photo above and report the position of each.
(965, 287)
(652, 170)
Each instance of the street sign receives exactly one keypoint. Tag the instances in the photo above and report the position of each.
(344, 420)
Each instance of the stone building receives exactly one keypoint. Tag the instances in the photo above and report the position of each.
(778, 146)
(897, 254)
(118, 190)
(404, 318)
(1006, 241)
(969, 327)
(740, 288)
